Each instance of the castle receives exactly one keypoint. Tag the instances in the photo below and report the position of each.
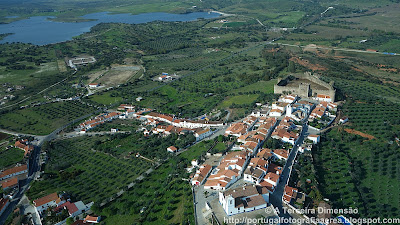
(304, 85)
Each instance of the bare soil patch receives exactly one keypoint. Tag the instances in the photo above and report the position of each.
(352, 131)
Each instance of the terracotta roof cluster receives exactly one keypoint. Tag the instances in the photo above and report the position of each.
(230, 166)
(249, 120)
(102, 118)
(71, 207)
(288, 98)
(202, 173)
(289, 194)
(237, 129)
(25, 146)
(265, 153)
(179, 122)
(329, 105)
(281, 133)
(318, 112)
(126, 107)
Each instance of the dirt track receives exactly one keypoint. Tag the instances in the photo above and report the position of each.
(352, 131)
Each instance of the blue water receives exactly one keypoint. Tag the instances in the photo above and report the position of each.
(41, 31)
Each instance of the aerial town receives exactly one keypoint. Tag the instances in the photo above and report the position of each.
(210, 112)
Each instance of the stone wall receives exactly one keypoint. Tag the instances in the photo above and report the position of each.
(304, 89)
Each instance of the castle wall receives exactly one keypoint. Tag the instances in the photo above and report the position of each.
(304, 91)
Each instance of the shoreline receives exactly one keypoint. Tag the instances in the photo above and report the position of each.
(222, 13)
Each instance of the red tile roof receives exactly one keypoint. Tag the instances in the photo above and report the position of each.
(3, 202)
(46, 199)
(12, 182)
(13, 170)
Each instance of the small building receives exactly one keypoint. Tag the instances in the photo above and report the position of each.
(138, 99)
(343, 120)
(200, 134)
(289, 194)
(314, 138)
(94, 85)
(92, 219)
(172, 149)
(275, 112)
(114, 130)
(325, 98)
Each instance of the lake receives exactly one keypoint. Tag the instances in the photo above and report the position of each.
(39, 30)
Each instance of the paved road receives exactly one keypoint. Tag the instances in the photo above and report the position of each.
(276, 197)
(335, 49)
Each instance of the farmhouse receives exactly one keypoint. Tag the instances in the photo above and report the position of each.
(172, 149)
(94, 85)
(244, 199)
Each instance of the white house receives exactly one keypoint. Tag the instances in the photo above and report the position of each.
(172, 149)
(275, 112)
(201, 134)
(325, 98)
(344, 120)
(279, 105)
(74, 209)
(281, 154)
(314, 138)
(244, 199)
(94, 85)
(15, 171)
(51, 200)
(288, 99)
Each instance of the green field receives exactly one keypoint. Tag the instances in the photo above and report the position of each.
(10, 157)
(239, 99)
(43, 119)
(87, 175)
(359, 173)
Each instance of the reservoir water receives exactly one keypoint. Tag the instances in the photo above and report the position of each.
(39, 30)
